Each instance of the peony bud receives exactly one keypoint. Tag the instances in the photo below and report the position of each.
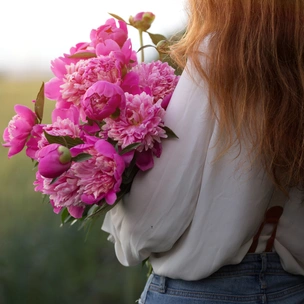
(142, 21)
(54, 160)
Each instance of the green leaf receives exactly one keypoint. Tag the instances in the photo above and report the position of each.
(54, 180)
(74, 221)
(66, 141)
(81, 157)
(156, 38)
(64, 215)
(92, 210)
(44, 198)
(129, 175)
(115, 114)
(104, 208)
(170, 133)
(91, 122)
(147, 263)
(112, 142)
(129, 148)
(146, 46)
(118, 17)
(83, 55)
(163, 46)
(143, 263)
(39, 103)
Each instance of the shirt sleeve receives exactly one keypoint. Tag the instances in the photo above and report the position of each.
(162, 201)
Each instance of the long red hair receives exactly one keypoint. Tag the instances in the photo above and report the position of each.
(256, 75)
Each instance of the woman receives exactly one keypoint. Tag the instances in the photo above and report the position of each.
(220, 216)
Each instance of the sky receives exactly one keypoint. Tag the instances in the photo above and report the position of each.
(34, 32)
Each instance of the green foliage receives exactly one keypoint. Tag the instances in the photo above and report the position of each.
(39, 103)
(129, 148)
(66, 141)
(170, 133)
(118, 18)
(156, 38)
(83, 55)
(81, 157)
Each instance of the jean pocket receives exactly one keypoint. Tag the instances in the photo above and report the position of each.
(143, 296)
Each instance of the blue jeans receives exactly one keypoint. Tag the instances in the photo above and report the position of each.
(259, 278)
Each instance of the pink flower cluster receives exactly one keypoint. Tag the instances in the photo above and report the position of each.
(108, 119)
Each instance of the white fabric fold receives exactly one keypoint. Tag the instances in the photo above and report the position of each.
(192, 215)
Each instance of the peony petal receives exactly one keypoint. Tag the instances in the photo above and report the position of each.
(55, 209)
(90, 199)
(111, 197)
(166, 100)
(6, 136)
(76, 211)
(80, 149)
(25, 113)
(72, 113)
(91, 129)
(106, 47)
(52, 88)
(157, 149)
(16, 147)
(144, 160)
(47, 149)
(131, 83)
(127, 157)
(58, 67)
(105, 148)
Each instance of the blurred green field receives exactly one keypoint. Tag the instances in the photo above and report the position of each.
(41, 262)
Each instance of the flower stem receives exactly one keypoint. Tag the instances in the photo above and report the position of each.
(141, 42)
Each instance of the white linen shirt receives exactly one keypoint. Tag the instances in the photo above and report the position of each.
(191, 214)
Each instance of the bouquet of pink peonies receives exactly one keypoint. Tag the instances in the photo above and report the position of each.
(107, 124)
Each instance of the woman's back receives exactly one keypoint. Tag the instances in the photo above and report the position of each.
(196, 214)
(238, 111)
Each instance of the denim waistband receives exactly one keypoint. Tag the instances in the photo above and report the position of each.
(259, 278)
(253, 263)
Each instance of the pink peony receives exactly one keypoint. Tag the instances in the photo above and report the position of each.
(84, 73)
(155, 78)
(100, 176)
(72, 80)
(64, 192)
(58, 67)
(142, 21)
(140, 122)
(19, 129)
(102, 99)
(110, 31)
(54, 160)
(65, 123)
(125, 54)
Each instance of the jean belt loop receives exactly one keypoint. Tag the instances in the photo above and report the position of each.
(264, 261)
(162, 284)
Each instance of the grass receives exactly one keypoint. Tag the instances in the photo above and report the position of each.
(39, 261)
